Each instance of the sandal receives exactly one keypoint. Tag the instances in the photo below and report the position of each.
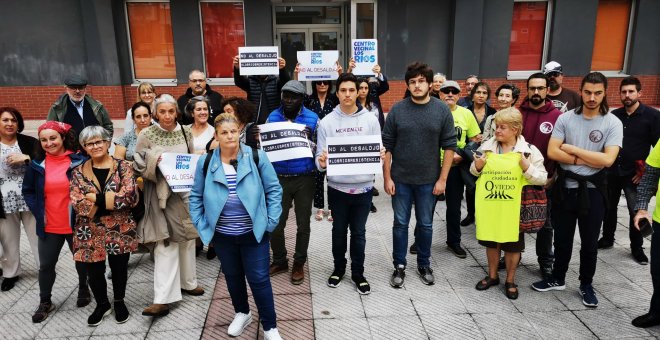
(319, 215)
(487, 282)
(330, 219)
(511, 294)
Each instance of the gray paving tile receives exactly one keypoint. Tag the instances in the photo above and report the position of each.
(29, 302)
(344, 328)
(488, 301)
(396, 302)
(183, 316)
(19, 326)
(451, 326)
(624, 294)
(437, 302)
(190, 333)
(558, 325)
(397, 327)
(505, 326)
(338, 304)
(465, 278)
(572, 299)
(136, 324)
(600, 323)
(67, 322)
(134, 336)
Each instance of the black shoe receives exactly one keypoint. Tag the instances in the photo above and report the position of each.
(84, 298)
(441, 197)
(638, 255)
(467, 221)
(8, 283)
(501, 265)
(457, 250)
(373, 208)
(413, 248)
(42, 311)
(426, 275)
(210, 253)
(100, 312)
(398, 276)
(361, 285)
(646, 320)
(121, 312)
(335, 279)
(605, 244)
(374, 192)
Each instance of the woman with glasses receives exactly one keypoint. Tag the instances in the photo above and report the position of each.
(235, 204)
(46, 192)
(146, 92)
(166, 225)
(103, 191)
(202, 131)
(16, 151)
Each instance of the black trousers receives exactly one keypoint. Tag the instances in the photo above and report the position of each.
(96, 270)
(616, 184)
(49, 252)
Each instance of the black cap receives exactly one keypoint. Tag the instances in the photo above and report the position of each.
(75, 80)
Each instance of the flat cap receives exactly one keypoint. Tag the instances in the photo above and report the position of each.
(75, 80)
(294, 86)
(450, 84)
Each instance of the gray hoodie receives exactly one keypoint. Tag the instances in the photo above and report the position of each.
(339, 124)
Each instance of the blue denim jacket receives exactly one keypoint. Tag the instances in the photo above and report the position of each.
(257, 187)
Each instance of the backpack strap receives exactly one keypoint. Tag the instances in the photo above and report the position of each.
(209, 155)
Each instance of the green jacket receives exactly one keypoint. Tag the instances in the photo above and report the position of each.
(58, 110)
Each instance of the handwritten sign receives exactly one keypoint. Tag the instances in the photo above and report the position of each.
(317, 65)
(354, 155)
(260, 60)
(178, 170)
(284, 141)
(365, 53)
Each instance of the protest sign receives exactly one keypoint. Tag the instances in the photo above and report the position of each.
(260, 60)
(178, 170)
(365, 54)
(284, 141)
(317, 65)
(354, 155)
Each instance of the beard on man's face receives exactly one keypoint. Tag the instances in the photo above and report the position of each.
(536, 99)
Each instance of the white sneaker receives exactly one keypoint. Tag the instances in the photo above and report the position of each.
(272, 334)
(239, 323)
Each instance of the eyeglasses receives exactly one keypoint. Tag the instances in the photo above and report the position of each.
(323, 82)
(450, 90)
(536, 88)
(77, 88)
(96, 144)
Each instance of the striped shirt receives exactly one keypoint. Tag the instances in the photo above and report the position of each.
(234, 219)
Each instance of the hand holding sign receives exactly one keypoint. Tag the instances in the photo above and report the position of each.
(365, 55)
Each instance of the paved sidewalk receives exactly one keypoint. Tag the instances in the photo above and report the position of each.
(451, 308)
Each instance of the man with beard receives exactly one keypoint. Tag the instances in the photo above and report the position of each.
(584, 142)
(562, 98)
(641, 130)
(298, 184)
(197, 86)
(539, 118)
(415, 130)
(470, 81)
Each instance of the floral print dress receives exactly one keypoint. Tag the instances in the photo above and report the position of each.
(112, 234)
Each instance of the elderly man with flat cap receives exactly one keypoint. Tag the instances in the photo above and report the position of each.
(77, 108)
(298, 184)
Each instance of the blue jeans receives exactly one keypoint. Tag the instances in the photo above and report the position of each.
(422, 195)
(349, 211)
(242, 257)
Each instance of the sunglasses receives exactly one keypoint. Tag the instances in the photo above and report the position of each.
(452, 91)
(554, 74)
(323, 82)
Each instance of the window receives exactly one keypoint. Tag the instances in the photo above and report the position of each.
(223, 30)
(152, 46)
(611, 38)
(363, 19)
(528, 35)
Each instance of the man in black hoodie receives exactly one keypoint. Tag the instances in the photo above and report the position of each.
(263, 90)
(197, 86)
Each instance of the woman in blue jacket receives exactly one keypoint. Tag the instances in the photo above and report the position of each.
(46, 193)
(235, 203)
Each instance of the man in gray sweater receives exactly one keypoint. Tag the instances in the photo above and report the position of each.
(415, 130)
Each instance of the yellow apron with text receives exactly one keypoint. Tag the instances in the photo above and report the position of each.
(497, 198)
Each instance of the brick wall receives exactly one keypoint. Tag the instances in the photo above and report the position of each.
(34, 101)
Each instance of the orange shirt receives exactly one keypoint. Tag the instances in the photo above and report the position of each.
(56, 194)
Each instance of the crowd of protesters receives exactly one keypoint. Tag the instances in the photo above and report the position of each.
(562, 145)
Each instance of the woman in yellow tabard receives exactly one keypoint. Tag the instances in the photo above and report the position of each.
(504, 164)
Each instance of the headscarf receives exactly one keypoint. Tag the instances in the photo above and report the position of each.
(61, 128)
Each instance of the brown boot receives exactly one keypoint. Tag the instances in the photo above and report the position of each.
(277, 268)
(194, 292)
(156, 310)
(298, 273)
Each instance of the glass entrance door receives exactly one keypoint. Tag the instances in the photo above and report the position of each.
(292, 40)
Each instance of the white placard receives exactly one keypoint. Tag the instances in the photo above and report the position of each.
(354, 155)
(178, 170)
(258, 60)
(365, 54)
(317, 65)
(284, 141)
